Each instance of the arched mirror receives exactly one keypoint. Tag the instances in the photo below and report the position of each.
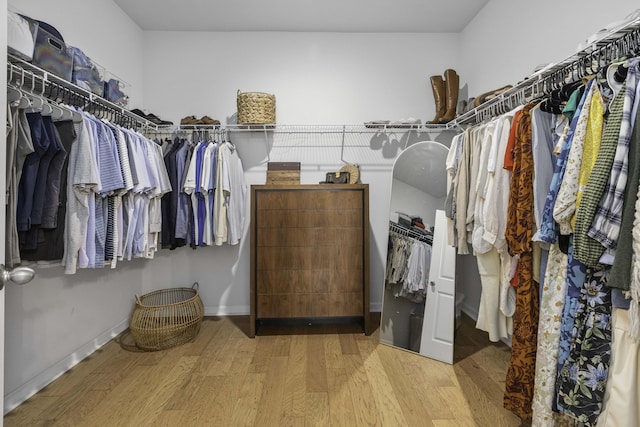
(418, 308)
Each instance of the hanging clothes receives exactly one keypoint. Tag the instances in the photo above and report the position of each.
(50, 235)
(408, 267)
(491, 259)
(549, 327)
(115, 179)
(624, 376)
(561, 165)
(622, 277)
(210, 209)
(452, 163)
(235, 195)
(520, 375)
(461, 189)
(620, 272)
(82, 178)
(549, 230)
(588, 250)
(566, 199)
(174, 158)
(19, 146)
(582, 378)
(553, 276)
(606, 223)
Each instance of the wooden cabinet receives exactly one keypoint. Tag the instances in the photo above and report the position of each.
(309, 253)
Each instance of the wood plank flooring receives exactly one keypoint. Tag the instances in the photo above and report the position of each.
(332, 376)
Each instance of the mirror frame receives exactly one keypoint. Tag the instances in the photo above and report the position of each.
(411, 340)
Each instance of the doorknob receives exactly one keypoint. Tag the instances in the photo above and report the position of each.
(18, 275)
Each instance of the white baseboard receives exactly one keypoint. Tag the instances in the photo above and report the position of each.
(40, 381)
(227, 310)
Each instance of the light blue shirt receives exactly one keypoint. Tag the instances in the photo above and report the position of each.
(544, 139)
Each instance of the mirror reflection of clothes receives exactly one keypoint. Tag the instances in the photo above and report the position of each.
(408, 267)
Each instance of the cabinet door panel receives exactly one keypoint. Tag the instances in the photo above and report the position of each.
(342, 258)
(308, 218)
(323, 280)
(310, 199)
(319, 236)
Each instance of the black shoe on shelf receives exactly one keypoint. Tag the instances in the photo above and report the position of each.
(157, 120)
(151, 117)
(138, 112)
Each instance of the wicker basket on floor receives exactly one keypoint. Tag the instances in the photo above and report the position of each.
(166, 318)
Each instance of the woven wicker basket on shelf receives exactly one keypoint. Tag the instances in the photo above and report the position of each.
(256, 108)
(166, 318)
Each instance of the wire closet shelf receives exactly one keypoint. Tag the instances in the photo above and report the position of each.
(422, 236)
(30, 78)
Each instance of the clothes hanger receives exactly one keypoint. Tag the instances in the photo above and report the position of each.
(70, 112)
(57, 113)
(47, 108)
(13, 94)
(34, 102)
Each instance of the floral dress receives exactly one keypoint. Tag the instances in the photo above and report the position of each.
(553, 294)
(583, 377)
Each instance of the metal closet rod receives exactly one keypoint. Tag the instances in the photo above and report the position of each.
(292, 129)
(619, 43)
(404, 231)
(30, 78)
(335, 128)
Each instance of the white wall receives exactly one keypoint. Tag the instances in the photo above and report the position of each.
(101, 29)
(508, 39)
(316, 77)
(414, 202)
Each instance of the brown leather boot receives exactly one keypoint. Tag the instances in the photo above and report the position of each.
(452, 85)
(437, 85)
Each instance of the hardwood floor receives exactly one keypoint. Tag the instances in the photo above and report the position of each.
(331, 376)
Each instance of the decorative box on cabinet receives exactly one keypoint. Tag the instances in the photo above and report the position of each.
(309, 254)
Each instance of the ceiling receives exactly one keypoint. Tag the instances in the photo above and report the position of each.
(379, 16)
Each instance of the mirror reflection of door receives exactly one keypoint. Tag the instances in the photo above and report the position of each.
(418, 310)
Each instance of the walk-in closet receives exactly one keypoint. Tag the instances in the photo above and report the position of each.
(390, 213)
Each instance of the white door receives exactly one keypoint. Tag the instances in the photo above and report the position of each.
(439, 312)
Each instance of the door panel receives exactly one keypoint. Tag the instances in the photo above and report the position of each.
(439, 316)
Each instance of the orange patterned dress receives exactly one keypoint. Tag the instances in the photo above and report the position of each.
(520, 229)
